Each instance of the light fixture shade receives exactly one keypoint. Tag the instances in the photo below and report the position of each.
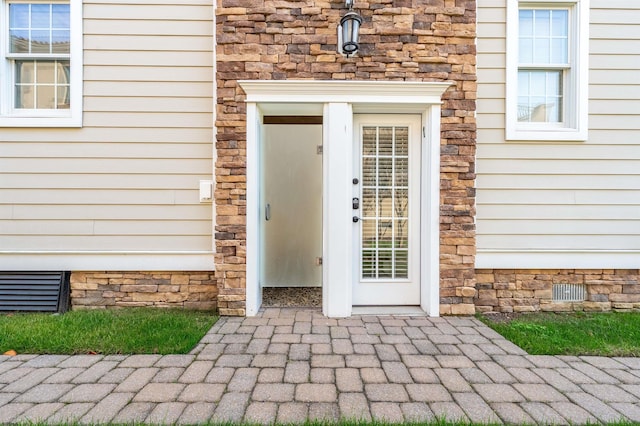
(350, 24)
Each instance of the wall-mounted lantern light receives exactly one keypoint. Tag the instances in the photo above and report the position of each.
(348, 31)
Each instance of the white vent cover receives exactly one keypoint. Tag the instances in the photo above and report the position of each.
(569, 292)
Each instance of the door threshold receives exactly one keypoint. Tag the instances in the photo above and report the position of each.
(388, 310)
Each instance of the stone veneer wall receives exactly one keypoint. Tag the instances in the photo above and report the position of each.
(191, 290)
(419, 40)
(509, 290)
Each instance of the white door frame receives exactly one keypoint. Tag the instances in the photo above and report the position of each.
(337, 101)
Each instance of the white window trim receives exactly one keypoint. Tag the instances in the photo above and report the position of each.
(576, 98)
(43, 118)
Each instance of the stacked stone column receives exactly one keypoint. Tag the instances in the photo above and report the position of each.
(412, 40)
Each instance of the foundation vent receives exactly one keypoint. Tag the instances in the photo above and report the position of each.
(569, 293)
(34, 291)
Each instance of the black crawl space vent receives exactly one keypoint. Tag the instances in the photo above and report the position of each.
(34, 291)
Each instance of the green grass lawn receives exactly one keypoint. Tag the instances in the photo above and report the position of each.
(603, 334)
(120, 331)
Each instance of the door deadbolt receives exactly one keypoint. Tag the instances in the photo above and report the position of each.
(355, 203)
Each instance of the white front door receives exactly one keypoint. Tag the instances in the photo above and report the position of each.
(386, 209)
(291, 204)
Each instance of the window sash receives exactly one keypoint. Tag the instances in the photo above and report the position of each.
(540, 96)
(41, 85)
(553, 41)
(40, 27)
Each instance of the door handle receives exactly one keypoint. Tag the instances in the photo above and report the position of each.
(355, 219)
(267, 212)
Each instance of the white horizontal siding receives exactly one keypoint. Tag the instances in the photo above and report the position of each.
(174, 73)
(552, 242)
(115, 135)
(127, 181)
(136, 213)
(126, 149)
(148, 89)
(99, 227)
(574, 212)
(70, 197)
(103, 243)
(553, 204)
(548, 181)
(105, 165)
(189, 105)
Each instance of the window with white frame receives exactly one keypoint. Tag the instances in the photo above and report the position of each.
(547, 54)
(41, 70)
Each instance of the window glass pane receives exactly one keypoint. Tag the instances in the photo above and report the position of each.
(19, 41)
(402, 141)
(369, 234)
(369, 202)
(542, 51)
(401, 234)
(369, 265)
(552, 84)
(402, 264)
(385, 202)
(64, 72)
(18, 15)
(45, 73)
(45, 96)
(61, 41)
(560, 23)
(542, 23)
(25, 72)
(554, 96)
(63, 97)
(402, 203)
(385, 141)
(369, 138)
(402, 172)
(538, 82)
(385, 172)
(40, 16)
(559, 51)
(369, 171)
(523, 84)
(40, 41)
(385, 264)
(60, 16)
(24, 97)
(526, 23)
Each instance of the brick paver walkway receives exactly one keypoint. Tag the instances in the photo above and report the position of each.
(288, 366)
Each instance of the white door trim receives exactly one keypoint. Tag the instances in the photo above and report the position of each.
(338, 101)
(389, 291)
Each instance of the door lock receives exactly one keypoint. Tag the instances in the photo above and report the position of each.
(355, 203)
